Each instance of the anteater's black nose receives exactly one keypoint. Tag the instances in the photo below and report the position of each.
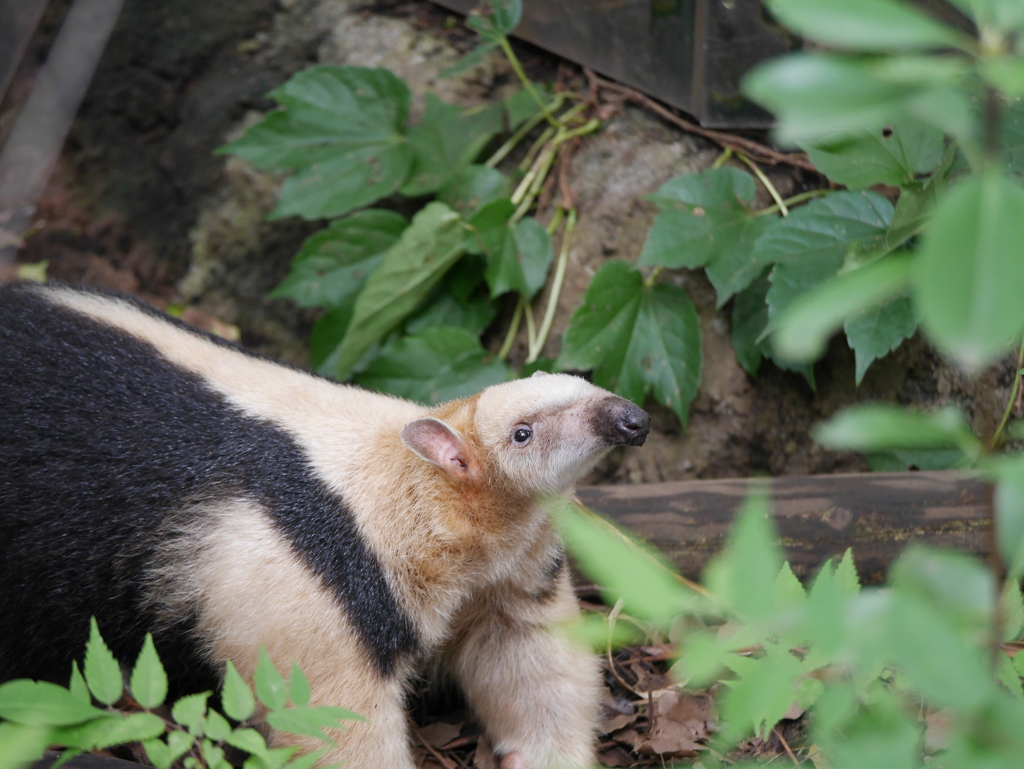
(620, 422)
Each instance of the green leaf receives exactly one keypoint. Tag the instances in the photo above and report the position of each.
(473, 187)
(437, 365)
(179, 743)
(298, 687)
(214, 756)
(1008, 677)
(867, 25)
(893, 154)
(788, 590)
(102, 672)
(623, 567)
(873, 427)
(749, 319)
(637, 339)
(22, 744)
(847, 578)
(158, 753)
(1011, 136)
(113, 729)
(309, 760)
(311, 721)
(764, 690)
(744, 574)
(249, 740)
(190, 712)
(1004, 74)
(877, 331)
(411, 268)
(523, 260)
(473, 314)
(341, 130)
(472, 59)
(446, 140)
(706, 221)
(270, 685)
(915, 205)
(806, 325)
(959, 586)
(78, 688)
(40, 703)
(333, 264)
(325, 338)
(236, 696)
(1003, 15)
(498, 19)
(1011, 603)
(969, 272)
(217, 727)
(149, 681)
(1008, 502)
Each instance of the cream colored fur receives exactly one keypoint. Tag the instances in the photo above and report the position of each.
(465, 555)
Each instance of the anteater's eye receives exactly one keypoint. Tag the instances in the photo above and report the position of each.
(522, 435)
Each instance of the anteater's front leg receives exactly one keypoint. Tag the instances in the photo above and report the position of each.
(533, 688)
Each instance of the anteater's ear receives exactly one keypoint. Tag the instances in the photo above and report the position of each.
(440, 445)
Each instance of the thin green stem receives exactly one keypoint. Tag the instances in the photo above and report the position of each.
(513, 329)
(589, 127)
(996, 438)
(556, 287)
(513, 141)
(506, 47)
(722, 159)
(531, 154)
(531, 328)
(652, 278)
(539, 174)
(764, 180)
(792, 201)
(556, 220)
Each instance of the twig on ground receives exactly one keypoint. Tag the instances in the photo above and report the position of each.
(433, 751)
(755, 150)
(789, 750)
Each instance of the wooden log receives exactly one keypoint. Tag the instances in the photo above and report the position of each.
(818, 517)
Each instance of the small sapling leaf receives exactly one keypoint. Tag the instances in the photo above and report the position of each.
(298, 687)
(872, 427)
(102, 673)
(148, 680)
(40, 703)
(270, 685)
(236, 696)
(249, 740)
(217, 727)
(190, 712)
(877, 331)
(112, 729)
(78, 688)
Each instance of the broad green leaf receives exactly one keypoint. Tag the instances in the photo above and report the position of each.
(623, 567)
(270, 685)
(158, 753)
(78, 688)
(22, 744)
(309, 760)
(236, 696)
(1008, 677)
(518, 255)
(102, 672)
(311, 721)
(1011, 604)
(926, 459)
(460, 299)
(498, 19)
(190, 712)
(249, 740)
(340, 129)
(40, 703)
(744, 574)
(760, 696)
(149, 681)
(893, 154)
(333, 264)
(970, 271)
(521, 106)
(411, 268)
(179, 743)
(213, 755)
(472, 59)
(473, 187)
(325, 338)
(877, 331)
(916, 203)
(445, 141)
(1004, 74)
(1011, 137)
(437, 365)
(957, 585)
(217, 727)
(815, 95)
(880, 735)
(705, 220)
(1008, 502)
(749, 319)
(298, 687)
(637, 339)
(865, 25)
(113, 729)
(788, 590)
(1004, 15)
(806, 325)
(874, 427)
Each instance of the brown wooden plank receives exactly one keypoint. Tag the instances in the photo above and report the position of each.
(818, 517)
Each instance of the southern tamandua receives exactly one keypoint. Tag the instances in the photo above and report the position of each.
(164, 480)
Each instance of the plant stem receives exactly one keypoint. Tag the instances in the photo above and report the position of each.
(722, 159)
(652, 277)
(556, 220)
(506, 48)
(513, 329)
(556, 286)
(792, 201)
(502, 152)
(531, 328)
(537, 176)
(995, 443)
(764, 180)
(531, 154)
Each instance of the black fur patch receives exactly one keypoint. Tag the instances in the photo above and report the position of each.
(551, 576)
(101, 438)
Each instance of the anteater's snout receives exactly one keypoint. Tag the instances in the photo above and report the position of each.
(622, 423)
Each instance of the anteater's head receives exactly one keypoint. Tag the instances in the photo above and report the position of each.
(533, 435)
